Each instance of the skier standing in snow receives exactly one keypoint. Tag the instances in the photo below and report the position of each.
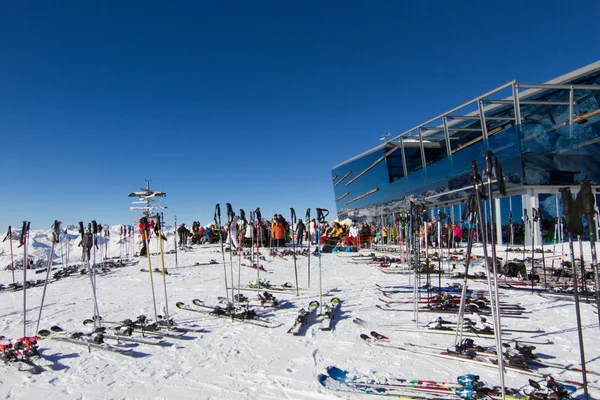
(300, 228)
(279, 233)
(183, 236)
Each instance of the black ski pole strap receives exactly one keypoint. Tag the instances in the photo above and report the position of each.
(217, 215)
(586, 199)
(499, 176)
(55, 230)
(470, 208)
(24, 233)
(157, 226)
(8, 234)
(293, 215)
(258, 215)
(230, 212)
(322, 213)
(477, 181)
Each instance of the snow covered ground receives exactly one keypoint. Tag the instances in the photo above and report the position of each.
(235, 360)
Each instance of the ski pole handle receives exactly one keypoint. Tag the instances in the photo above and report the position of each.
(488, 164)
(258, 215)
(322, 213)
(586, 199)
(242, 215)
(56, 230)
(217, 215)
(81, 229)
(308, 214)
(229, 211)
(566, 199)
(24, 232)
(94, 227)
(293, 215)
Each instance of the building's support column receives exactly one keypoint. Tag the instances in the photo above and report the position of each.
(498, 221)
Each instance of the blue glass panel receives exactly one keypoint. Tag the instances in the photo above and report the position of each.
(505, 143)
(413, 159)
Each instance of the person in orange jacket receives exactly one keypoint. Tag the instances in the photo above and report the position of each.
(279, 233)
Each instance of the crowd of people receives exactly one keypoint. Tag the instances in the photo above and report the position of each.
(278, 232)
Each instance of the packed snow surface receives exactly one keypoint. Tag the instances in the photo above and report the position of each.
(236, 360)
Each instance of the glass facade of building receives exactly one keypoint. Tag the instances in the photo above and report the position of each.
(546, 136)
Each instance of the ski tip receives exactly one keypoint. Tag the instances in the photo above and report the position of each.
(366, 337)
(336, 373)
(322, 378)
(179, 304)
(336, 300)
(314, 303)
(44, 333)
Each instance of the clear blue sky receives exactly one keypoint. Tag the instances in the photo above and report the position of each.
(248, 102)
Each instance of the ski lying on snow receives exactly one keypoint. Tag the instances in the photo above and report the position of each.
(127, 328)
(469, 387)
(328, 312)
(78, 338)
(486, 363)
(337, 386)
(246, 316)
(304, 318)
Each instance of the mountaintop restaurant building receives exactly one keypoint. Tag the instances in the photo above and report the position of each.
(546, 136)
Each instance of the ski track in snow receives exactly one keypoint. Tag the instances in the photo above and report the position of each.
(236, 360)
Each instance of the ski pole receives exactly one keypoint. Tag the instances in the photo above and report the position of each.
(510, 216)
(321, 215)
(253, 261)
(309, 242)
(587, 201)
(575, 227)
(230, 215)
(164, 273)
(539, 215)
(55, 239)
(241, 249)
(472, 218)
(217, 218)
(12, 259)
(23, 241)
(293, 221)
(146, 229)
(259, 233)
(490, 168)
